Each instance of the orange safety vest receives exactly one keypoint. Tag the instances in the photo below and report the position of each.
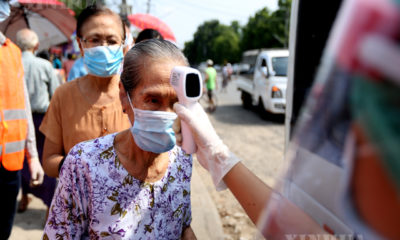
(13, 119)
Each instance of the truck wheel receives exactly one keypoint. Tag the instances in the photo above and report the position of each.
(246, 100)
(264, 114)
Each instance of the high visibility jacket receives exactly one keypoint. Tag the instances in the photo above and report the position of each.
(13, 119)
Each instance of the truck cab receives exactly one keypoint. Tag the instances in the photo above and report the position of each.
(264, 79)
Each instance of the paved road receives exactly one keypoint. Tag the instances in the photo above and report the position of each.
(258, 143)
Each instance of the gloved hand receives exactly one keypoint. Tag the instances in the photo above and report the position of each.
(212, 153)
(37, 173)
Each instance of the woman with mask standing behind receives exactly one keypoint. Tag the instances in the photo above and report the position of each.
(87, 107)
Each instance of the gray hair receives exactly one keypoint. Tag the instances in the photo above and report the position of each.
(153, 50)
(26, 39)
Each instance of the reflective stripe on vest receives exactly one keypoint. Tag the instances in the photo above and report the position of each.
(13, 147)
(14, 114)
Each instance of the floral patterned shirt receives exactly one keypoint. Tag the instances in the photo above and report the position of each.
(96, 197)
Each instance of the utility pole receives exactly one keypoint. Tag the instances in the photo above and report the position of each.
(148, 6)
(125, 9)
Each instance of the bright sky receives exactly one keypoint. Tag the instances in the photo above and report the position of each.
(184, 16)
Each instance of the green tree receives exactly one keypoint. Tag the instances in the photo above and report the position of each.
(219, 42)
(257, 32)
(215, 41)
(226, 46)
(78, 5)
(236, 27)
(266, 29)
(280, 22)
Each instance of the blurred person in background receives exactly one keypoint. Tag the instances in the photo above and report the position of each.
(77, 70)
(67, 64)
(148, 33)
(44, 54)
(226, 74)
(41, 81)
(211, 81)
(55, 59)
(17, 133)
(89, 106)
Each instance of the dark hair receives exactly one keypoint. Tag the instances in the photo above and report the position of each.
(92, 11)
(151, 50)
(148, 33)
(43, 54)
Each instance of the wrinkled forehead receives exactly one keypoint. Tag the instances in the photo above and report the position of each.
(155, 75)
(158, 71)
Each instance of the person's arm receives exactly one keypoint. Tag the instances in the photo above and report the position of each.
(216, 80)
(206, 76)
(32, 155)
(53, 155)
(51, 127)
(188, 234)
(68, 211)
(253, 195)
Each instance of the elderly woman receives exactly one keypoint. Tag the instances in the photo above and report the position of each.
(87, 107)
(134, 184)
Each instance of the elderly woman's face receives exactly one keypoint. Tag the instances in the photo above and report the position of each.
(101, 30)
(155, 92)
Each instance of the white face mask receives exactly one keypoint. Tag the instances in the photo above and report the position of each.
(4, 10)
(152, 130)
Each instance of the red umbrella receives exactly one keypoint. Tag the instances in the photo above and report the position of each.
(144, 21)
(50, 19)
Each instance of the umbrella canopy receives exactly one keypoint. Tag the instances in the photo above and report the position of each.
(144, 21)
(52, 21)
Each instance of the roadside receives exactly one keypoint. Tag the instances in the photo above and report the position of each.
(29, 225)
(260, 146)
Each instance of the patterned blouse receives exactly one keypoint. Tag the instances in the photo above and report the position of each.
(96, 198)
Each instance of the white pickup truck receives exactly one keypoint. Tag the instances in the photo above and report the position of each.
(263, 79)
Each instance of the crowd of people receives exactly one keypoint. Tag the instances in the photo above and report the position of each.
(88, 106)
(111, 135)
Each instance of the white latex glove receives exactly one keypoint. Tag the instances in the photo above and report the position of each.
(37, 173)
(212, 153)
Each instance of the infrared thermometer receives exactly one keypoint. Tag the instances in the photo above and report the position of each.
(188, 86)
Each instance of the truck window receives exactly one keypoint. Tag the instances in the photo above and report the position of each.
(279, 65)
(248, 62)
(263, 63)
(263, 67)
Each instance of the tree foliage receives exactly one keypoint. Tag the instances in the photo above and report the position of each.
(214, 40)
(266, 29)
(219, 42)
(78, 5)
